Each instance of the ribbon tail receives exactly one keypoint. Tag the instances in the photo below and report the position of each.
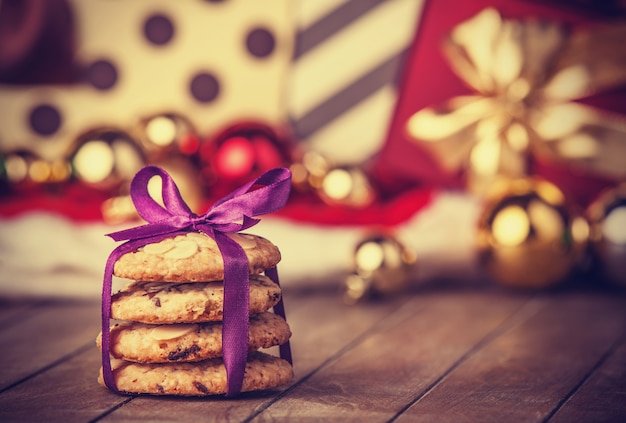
(279, 309)
(107, 282)
(236, 319)
(591, 62)
(107, 372)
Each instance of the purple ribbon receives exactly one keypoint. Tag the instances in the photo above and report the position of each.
(233, 213)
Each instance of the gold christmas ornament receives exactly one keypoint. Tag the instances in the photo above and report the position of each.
(309, 170)
(526, 75)
(167, 133)
(383, 266)
(336, 185)
(528, 236)
(24, 167)
(346, 186)
(105, 158)
(607, 217)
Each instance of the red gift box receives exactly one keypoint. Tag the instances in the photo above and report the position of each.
(429, 80)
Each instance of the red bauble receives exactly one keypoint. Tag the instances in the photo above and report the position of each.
(240, 153)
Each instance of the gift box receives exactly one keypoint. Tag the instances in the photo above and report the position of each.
(343, 80)
(443, 71)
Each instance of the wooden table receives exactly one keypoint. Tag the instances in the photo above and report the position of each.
(442, 353)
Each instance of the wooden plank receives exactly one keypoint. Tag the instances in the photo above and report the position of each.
(321, 327)
(399, 359)
(12, 312)
(525, 373)
(444, 356)
(603, 396)
(56, 330)
(66, 393)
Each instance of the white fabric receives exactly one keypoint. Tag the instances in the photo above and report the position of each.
(48, 256)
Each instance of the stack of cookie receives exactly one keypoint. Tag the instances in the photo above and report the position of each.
(169, 338)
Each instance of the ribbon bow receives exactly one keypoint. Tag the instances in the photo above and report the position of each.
(526, 77)
(233, 213)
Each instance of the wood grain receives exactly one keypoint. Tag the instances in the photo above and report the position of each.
(399, 358)
(48, 335)
(67, 392)
(523, 374)
(443, 354)
(602, 396)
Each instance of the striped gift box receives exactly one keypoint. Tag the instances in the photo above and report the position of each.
(344, 77)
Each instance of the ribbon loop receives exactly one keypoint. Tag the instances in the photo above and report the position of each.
(146, 206)
(233, 213)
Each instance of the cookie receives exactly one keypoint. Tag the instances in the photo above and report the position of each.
(192, 257)
(165, 302)
(188, 342)
(263, 371)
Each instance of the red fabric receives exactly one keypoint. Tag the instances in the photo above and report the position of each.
(428, 80)
(81, 203)
(382, 213)
(75, 201)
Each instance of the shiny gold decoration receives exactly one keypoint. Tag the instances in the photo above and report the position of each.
(166, 133)
(16, 166)
(346, 186)
(383, 266)
(309, 170)
(607, 217)
(118, 209)
(335, 185)
(105, 158)
(526, 75)
(21, 167)
(528, 236)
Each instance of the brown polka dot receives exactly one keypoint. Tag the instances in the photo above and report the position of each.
(260, 42)
(204, 87)
(101, 74)
(45, 119)
(158, 29)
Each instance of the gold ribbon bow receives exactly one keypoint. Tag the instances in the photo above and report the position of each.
(526, 75)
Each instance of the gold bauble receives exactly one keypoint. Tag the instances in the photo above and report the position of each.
(308, 171)
(105, 158)
(528, 236)
(165, 134)
(607, 217)
(24, 167)
(346, 186)
(382, 266)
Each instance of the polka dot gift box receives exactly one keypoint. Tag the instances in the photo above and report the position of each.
(209, 63)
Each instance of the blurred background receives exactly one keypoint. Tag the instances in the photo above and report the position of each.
(428, 141)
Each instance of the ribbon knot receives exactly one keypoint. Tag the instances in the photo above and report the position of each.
(527, 77)
(233, 213)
